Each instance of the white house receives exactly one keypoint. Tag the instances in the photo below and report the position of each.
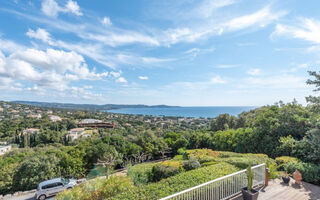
(31, 131)
(36, 116)
(55, 118)
(90, 121)
(75, 133)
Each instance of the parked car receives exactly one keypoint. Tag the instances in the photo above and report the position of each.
(52, 187)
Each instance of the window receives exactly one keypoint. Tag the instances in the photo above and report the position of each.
(59, 184)
(52, 185)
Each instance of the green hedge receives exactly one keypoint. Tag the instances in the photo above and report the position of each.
(283, 160)
(160, 172)
(191, 164)
(99, 188)
(310, 172)
(178, 182)
(140, 174)
(220, 164)
(202, 155)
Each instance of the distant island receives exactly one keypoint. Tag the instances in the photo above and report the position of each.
(92, 107)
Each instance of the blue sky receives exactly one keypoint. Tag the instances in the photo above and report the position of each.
(189, 53)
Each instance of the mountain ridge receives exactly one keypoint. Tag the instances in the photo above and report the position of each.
(88, 106)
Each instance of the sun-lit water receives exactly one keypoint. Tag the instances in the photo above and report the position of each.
(207, 112)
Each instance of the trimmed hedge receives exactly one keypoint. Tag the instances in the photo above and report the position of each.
(99, 188)
(177, 183)
(161, 171)
(191, 164)
(202, 155)
(209, 163)
(140, 174)
(283, 160)
(217, 164)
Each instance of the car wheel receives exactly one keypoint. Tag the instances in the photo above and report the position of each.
(42, 197)
(69, 188)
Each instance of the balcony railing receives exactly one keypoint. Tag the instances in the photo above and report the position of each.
(221, 188)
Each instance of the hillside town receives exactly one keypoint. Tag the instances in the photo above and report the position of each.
(85, 127)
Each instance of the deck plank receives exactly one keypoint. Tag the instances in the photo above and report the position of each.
(276, 190)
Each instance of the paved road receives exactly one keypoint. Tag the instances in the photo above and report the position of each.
(29, 196)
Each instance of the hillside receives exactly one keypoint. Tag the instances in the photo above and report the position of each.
(88, 106)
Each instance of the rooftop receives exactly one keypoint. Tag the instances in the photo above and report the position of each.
(87, 121)
(49, 181)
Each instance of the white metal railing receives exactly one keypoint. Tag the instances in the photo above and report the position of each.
(221, 188)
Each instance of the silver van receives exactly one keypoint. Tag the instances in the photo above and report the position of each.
(52, 187)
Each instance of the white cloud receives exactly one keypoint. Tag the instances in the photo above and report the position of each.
(254, 72)
(73, 7)
(121, 80)
(226, 66)
(194, 52)
(207, 7)
(50, 69)
(40, 34)
(9, 46)
(275, 82)
(261, 18)
(143, 77)
(217, 80)
(307, 29)
(116, 74)
(204, 29)
(52, 9)
(176, 35)
(106, 21)
(117, 39)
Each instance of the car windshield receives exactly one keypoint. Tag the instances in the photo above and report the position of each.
(65, 181)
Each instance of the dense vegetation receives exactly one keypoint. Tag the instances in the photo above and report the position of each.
(134, 187)
(288, 133)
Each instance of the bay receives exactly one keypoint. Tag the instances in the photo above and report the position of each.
(205, 112)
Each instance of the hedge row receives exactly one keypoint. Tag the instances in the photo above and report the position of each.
(119, 188)
(140, 174)
(98, 189)
(178, 182)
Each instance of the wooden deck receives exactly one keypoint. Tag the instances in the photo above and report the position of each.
(277, 190)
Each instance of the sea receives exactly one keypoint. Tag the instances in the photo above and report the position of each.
(196, 112)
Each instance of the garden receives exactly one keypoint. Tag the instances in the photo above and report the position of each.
(159, 179)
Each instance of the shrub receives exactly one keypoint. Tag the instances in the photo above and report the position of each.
(287, 145)
(34, 170)
(140, 174)
(99, 188)
(310, 172)
(273, 173)
(281, 161)
(178, 157)
(202, 155)
(240, 162)
(227, 154)
(181, 151)
(172, 163)
(191, 164)
(286, 159)
(177, 183)
(161, 171)
(209, 163)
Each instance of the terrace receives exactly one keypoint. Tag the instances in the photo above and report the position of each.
(277, 190)
(229, 187)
